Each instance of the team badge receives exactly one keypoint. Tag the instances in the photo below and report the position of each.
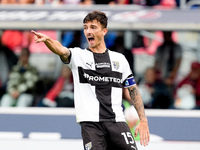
(88, 146)
(116, 65)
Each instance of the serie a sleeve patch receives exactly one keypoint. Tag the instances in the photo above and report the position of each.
(129, 82)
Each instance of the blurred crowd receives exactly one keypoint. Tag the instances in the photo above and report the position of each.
(148, 3)
(22, 86)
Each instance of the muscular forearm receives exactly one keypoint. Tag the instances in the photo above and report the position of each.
(137, 102)
(57, 48)
(54, 46)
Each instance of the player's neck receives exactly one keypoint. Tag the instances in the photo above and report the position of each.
(98, 49)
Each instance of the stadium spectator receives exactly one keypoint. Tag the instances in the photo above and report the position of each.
(72, 38)
(7, 60)
(135, 2)
(168, 59)
(8, 2)
(71, 2)
(25, 2)
(154, 91)
(13, 39)
(188, 89)
(61, 94)
(90, 2)
(197, 92)
(193, 3)
(150, 3)
(21, 83)
(16, 39)
(160, 4)
(119, 47)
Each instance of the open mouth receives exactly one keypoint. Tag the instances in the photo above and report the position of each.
(90, 39)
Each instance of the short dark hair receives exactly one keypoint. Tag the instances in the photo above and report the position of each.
(97, 15)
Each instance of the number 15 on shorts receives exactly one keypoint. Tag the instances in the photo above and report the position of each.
(128, 138)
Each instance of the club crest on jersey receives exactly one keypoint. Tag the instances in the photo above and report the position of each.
(88, 146)
(116, 65)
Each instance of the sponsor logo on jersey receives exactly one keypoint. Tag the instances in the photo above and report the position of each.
(95, 77)
(88, 146)
(102, 65)
(116, 65)
(104, 79)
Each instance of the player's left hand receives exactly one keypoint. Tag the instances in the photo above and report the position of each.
(143, 130)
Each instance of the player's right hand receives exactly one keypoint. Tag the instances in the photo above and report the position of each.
(39, 37)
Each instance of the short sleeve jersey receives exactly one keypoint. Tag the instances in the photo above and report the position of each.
(98, 81)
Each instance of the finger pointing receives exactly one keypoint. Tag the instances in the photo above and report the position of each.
(34, 32)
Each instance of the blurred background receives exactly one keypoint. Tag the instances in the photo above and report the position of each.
(159, 38)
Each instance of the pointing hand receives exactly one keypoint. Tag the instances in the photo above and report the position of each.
(39, 37)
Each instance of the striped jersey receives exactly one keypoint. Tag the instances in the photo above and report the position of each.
(98, 82)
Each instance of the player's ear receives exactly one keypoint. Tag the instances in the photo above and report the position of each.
(105, 30)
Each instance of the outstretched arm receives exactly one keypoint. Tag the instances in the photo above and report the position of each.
(55, 46)
(142, 127)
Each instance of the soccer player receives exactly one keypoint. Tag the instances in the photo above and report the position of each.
(99, 76)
